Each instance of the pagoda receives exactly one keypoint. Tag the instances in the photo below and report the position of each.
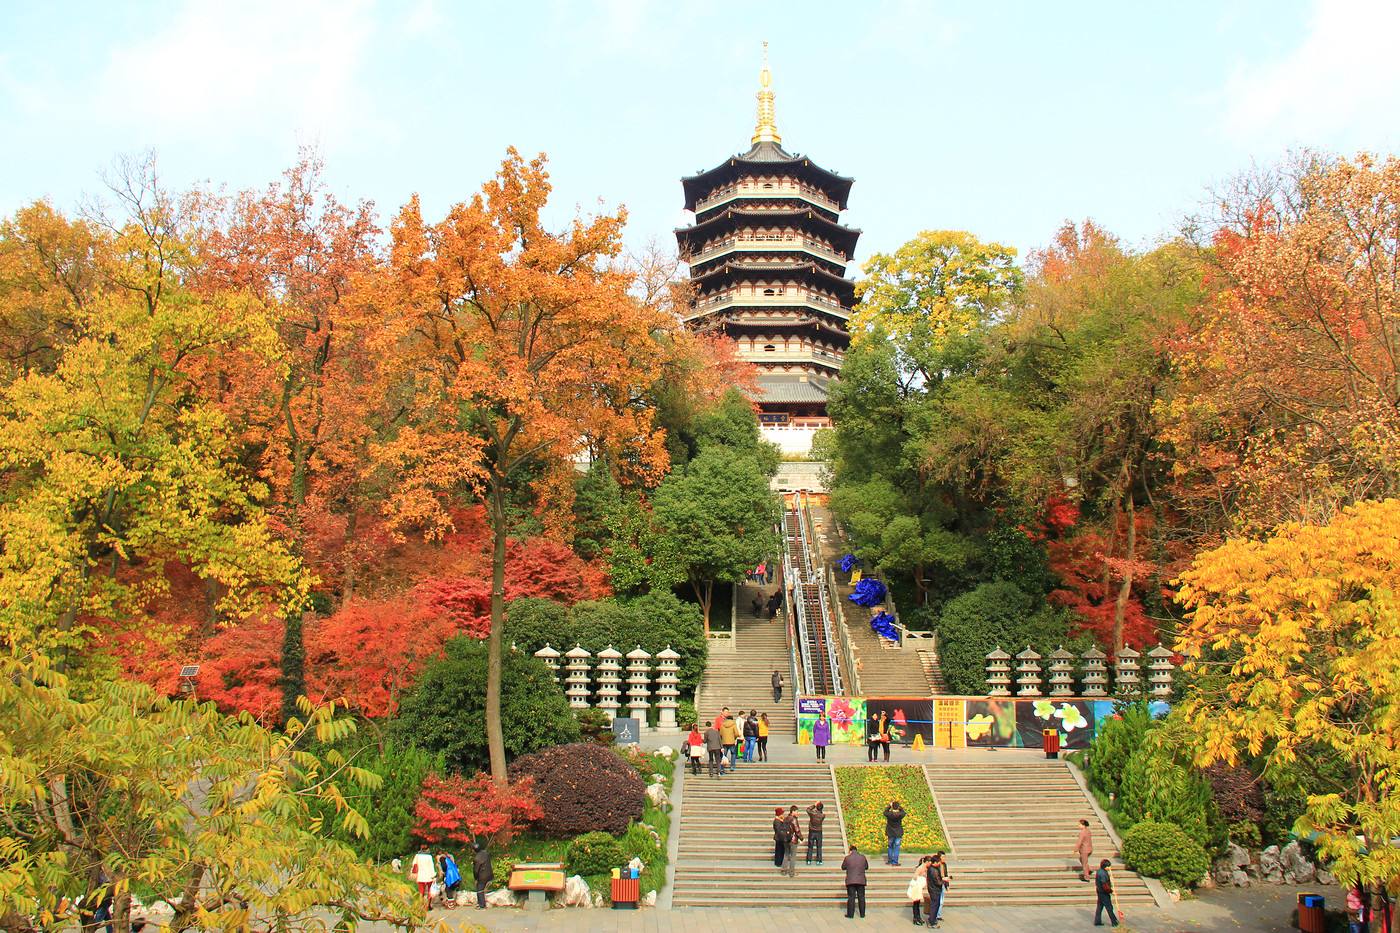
(767, 255)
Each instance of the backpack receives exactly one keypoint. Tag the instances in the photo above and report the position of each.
(783, 831)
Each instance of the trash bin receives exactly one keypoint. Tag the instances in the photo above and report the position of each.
(626, 889)
(1050, 741)
(1312, 913)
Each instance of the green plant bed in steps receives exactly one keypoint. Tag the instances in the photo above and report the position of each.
(865, 792)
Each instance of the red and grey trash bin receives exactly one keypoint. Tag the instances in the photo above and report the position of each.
(1312, 913)
(1050, 741)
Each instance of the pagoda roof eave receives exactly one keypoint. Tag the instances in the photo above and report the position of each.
(845, 236)
(844, 285)
(762, 157)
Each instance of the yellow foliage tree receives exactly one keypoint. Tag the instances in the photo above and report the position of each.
(1293, 643)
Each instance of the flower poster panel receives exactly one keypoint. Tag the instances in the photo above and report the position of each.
(1073, 719)
(992, 723)
(847, 716)
(909, 716)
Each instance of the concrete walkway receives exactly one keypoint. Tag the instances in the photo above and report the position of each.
(1265, 909)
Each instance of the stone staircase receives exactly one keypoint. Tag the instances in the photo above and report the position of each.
(928, 660)
(1012, 826)
(742, 679)
(884, 671)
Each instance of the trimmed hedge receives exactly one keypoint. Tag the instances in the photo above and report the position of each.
(594, 854)
(582, 787)
(1163, 850)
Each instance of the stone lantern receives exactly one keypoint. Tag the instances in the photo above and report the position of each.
(1095, 673)
(1159, 672)
(668, 664)
(577, 678)
(1028, 674)
(550, 657)
(1061, 673)
(609, 679)
(638, 673)
(998, 673)
(1127, 674)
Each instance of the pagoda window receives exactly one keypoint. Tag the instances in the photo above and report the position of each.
(770, 349)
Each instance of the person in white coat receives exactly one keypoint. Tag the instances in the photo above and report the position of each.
(423, 870)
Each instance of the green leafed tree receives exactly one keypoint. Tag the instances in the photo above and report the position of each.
(118, 791)
(722, 515)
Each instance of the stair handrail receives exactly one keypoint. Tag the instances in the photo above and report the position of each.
(804, 576)
(817, 575)
(794, 614)
(847, 648)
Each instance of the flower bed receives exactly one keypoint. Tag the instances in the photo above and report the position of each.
(866, 791)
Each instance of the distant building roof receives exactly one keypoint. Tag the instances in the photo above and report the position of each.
(789, 387)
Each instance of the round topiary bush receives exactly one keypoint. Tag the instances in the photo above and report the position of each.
(1163, 850)
(594, 854)
(582, 787)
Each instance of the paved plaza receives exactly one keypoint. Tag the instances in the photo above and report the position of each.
(1264, 909)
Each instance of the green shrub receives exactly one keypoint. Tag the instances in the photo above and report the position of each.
(686, 713)
(594, 854)
(388, 809)
(1115, 744)
(582, 787)
(594, 726)
(637, 842)
(1158, 788)
(1163, 850)
(998, 613)
(1245, 833)
(445, 711)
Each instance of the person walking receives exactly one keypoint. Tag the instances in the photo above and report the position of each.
(482, 872)
(777, 680)
(695, 748)
(714, 747)
(855, 866)
(816, 817)
(750, 736)
(794, 836)
(936, 881)
(763, 728)
(918, 889)
(821, 735)
(757, 605)
(894, 831)
(1103, 884)
(781, 831)
(740, 729)
(424, 871)
(1084, 847)
(729, 735)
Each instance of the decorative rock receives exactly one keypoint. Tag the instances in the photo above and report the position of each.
(637, 864)
(648, 899)
(598, 900)
(1296, 867)
(1271, 866)
(1239, 879)
(502, 898)
(656, 793)
(1237, 856)
(666, 752)
(576, 892)
(1206, 883)
(1325, 877)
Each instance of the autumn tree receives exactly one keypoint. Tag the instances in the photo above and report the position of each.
(111, 463)
(1293, 650)
(1290, 405)
(308, 406)
(523, 348)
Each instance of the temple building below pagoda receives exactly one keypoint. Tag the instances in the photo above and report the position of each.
(767, 255)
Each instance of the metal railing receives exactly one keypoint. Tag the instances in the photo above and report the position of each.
(848, 651)
(818, 576)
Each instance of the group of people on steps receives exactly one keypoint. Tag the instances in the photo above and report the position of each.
(787, 833)
(727, 741)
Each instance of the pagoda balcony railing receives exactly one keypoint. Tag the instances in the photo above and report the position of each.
(710, 308)
(822, 357)
(762, 243)
(774, 189)
(789, 298)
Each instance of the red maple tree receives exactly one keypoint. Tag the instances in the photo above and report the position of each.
(464, 809)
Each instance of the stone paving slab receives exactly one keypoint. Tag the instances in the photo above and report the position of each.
(1263, 909)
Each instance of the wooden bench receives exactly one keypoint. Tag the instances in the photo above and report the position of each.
(538, 880)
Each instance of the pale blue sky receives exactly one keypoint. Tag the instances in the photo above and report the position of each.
(1004, 119)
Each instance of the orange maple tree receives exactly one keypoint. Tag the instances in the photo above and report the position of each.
(524, 349)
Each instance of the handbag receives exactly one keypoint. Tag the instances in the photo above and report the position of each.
(918, 887)
(697, 751)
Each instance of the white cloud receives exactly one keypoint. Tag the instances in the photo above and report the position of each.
(225, 70)
(1343, 80)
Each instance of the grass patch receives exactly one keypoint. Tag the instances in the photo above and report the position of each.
(865, 792)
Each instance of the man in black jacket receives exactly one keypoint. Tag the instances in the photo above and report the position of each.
(855, 866)
(714, 747)
(894, 831)
(482, 873)
(1103, 883)
(816, 817)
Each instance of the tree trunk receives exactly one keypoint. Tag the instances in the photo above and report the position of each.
(705, 592)
(495, 738)
(1125, 590)
(293, 679)
(919, 588)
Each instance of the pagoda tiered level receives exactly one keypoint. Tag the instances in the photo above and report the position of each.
(767, 256)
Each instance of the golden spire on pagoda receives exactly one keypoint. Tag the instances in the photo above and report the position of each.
(767, 129)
